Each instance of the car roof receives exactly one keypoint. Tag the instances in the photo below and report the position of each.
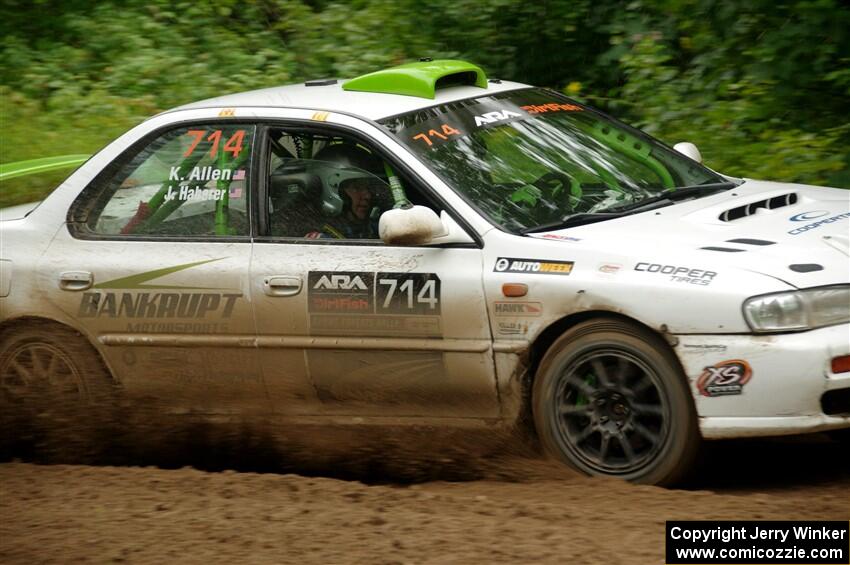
(333, 98)
(376, 95)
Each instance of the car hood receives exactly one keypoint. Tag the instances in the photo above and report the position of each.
(17, 212)
(795, 233)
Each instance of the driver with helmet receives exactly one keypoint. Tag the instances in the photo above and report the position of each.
(351, 187)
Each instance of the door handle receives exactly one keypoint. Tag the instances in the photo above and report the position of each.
(281, 285)
(75, 280)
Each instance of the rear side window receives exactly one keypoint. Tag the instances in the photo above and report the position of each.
(189, 181)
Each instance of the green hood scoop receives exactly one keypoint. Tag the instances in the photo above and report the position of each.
(421, 79)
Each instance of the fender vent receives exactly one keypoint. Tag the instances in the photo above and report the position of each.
(749, 241)
(836, 402)
(724, 249)
(751, 208)
(805, 267)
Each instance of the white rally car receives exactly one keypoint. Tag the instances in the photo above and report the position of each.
(422, 245)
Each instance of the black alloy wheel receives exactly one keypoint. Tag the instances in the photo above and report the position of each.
(610, 399)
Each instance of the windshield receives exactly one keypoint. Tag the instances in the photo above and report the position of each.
(532, 157)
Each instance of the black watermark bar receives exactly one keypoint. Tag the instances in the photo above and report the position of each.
(694, 542)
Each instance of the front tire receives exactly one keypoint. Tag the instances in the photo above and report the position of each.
(610, 399)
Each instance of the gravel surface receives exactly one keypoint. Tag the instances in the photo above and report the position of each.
(520, 509)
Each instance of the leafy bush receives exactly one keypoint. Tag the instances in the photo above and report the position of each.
(762, 87)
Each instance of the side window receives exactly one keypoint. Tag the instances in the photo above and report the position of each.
(327, 187)
(190, 181)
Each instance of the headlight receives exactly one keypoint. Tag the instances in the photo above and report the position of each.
(799, 310)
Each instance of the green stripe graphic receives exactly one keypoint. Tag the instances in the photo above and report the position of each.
(43, 165)
(136, 281)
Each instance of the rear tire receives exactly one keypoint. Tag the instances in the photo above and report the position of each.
(610, 399)
(45, 362)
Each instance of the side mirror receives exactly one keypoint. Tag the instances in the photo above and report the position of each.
(453, 233)
(419, 225)
(688, 149)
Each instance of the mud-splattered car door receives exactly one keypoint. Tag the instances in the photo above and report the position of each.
(378, 330)
(371, 329)
(153, 265)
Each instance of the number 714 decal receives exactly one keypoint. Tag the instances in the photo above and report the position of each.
(407, 293)
(363, 292)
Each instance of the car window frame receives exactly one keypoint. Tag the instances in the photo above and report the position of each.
(92, 198)
(401, 168)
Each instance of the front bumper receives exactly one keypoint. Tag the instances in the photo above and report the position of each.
(790, 373)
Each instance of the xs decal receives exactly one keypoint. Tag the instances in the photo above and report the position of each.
(726, 378)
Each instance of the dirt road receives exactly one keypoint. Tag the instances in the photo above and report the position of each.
(526, 510)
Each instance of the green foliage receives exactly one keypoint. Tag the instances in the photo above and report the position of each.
(762, 87)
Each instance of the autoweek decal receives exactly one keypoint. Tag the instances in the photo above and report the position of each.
(534, 266)
(106, 303)
(726, 378)
(370, 303)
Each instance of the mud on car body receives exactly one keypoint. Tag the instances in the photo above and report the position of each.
(423, 246)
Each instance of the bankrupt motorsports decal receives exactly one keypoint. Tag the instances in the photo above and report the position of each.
(726, 378)
(533, 266)
(142, 298)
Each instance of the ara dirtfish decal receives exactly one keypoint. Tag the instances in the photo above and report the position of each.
(532, 266)
(495, 116)
(726, 378)
(370, 303)
(366, 292)
(551, 107)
